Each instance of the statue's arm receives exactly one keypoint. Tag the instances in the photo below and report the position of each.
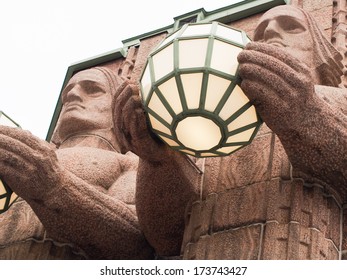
(102, 226)
(322, 150)
(166, 180)
(70, 209)
(312, 130)
(163, 192)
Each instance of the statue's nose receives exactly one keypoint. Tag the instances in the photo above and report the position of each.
(272, 30)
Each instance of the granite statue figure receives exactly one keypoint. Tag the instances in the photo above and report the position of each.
(296, 92)
(281, 197)
(82, 191)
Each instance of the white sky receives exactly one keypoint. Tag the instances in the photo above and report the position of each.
(40, 39)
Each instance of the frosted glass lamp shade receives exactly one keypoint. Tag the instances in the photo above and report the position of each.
(190, 91)
(7, 196)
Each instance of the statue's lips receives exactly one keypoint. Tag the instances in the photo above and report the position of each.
(276, 43)
(73, 106)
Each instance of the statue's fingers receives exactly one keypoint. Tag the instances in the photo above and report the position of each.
(27, 178)
(271, 108)
(137, 120)
(119, 104)
(25, 137)
(266, 52)
(15, 146)
(275, 65)
(16, 153)
(15, 170)
(267, 80)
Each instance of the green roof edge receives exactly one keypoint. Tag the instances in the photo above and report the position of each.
(3, 113)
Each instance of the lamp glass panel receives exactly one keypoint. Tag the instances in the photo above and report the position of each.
(229, 34)
(196, 30)
(236, 100)
(2, 203)
(243, 136)
(6, 121)
(169, 141)
(198, 133)
(157, 106)
(208, 155)
(170, 92)
(163, 62)
(216, 88)
(228, 150)
(167, 39)
(192, 89)
(188, 152)
(221, 50)
(2, 188)
(157, 125)
(192, 53)
(146, 83)
(13, 198)
(248, 117)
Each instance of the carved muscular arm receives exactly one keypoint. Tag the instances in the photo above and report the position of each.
(70, 209)
(313, 133)
(166, 180)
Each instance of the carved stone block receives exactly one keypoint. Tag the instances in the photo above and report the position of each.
(248, 166)
(240, 207)
(238, 244)
(293, 241)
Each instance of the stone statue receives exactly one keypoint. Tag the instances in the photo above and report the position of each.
(82, 192)
(296, 93)
(282, 196)
(291, 94)
(290, 207)
(167, 181)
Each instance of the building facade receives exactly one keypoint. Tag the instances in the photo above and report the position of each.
(252, 204)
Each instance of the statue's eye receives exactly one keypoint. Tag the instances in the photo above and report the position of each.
(291, 25)
(93, 88)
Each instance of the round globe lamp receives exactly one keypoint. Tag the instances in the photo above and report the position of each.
(191, 92)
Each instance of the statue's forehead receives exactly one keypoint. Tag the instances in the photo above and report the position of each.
(88, 75)
(283, 11)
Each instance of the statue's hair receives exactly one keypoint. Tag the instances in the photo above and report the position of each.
(329, 59)
(114, 80)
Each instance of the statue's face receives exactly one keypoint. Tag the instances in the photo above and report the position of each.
(286, 28)
(86, 103)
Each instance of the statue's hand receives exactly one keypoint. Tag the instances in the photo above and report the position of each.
(28, 164)
(312, 132)
(279, 85)
(131, 127)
